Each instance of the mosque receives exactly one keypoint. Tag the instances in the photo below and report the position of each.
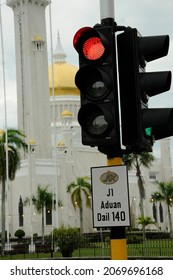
(47, 114)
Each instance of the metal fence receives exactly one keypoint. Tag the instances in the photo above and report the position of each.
(152, 247)
(90, 246)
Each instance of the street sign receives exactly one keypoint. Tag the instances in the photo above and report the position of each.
(110, 196)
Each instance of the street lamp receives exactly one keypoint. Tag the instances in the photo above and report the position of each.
(31, 165)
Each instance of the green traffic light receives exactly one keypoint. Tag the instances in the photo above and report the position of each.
(148, 131)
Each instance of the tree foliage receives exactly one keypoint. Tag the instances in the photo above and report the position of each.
(79, 189)
(137, 161)
(165, 193)
(11, 142)
(42, 199)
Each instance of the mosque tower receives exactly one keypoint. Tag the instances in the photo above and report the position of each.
(32, 75)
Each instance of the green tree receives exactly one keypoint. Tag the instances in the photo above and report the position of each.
(43, 199)
(137, 161)
(165, 193)
(78, 189)
(11, 141)
(145, 221)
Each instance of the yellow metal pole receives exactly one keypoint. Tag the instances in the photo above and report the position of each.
(114, 161)
(118, 243)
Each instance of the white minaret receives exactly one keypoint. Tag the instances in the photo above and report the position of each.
(32, 73)
(166, 166)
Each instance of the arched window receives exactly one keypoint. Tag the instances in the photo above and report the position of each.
(161, 212)
(154, 212)
(20, 211)
(48, 216)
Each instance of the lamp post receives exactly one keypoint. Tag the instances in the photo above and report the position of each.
(31, 169)
(59, 153)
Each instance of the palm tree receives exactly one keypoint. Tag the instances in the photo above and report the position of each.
(77, 189)
(137, 160)
(11, 142)
(145, 221)
(165, 193)
(43, 199)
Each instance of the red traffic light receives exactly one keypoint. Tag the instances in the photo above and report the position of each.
(97, 81)
(93, 48)
(90, 43)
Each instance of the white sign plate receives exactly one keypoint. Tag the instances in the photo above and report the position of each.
(110, 196)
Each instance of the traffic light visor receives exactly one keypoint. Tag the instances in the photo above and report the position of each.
(89, 43)
(94, 121)
(153, 47)
(92, 82)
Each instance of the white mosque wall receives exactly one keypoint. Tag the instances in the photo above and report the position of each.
(72, 162)
(62, 103)
(25, 186)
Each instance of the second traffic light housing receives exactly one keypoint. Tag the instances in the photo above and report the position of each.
(97, 82)
(141, 125)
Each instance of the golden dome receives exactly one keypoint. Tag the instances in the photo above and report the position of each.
(66, 113)
(61, 144)
(64, 73)
(38, 38)
(32, 142)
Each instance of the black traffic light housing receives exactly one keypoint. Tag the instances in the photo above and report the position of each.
(97, 82)
(141, 125)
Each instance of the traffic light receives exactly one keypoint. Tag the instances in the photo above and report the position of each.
(97, 82)
(141, 125)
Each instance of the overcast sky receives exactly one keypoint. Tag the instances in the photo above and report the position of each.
(150, 17)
